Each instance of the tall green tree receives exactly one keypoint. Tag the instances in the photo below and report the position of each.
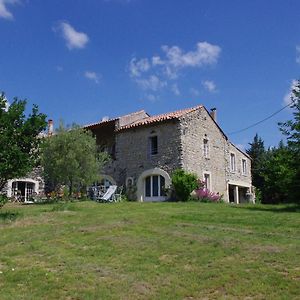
(278, 175)
(19, 141)
(257, 153)
(71, 158)
(291, 129)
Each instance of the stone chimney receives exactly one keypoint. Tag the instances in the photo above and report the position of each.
(50, 127)
(213, 113)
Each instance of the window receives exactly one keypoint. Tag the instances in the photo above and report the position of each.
(232, 162)
(153, 145)
(23, 189)
(155, 186)
(244, 166)
(207, 181)
(205, 148)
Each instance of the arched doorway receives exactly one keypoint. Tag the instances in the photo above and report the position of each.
(152, 185)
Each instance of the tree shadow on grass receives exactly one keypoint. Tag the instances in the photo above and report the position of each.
(8, 215)
(288, 208)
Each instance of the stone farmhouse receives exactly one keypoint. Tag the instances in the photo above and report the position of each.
(145, 150)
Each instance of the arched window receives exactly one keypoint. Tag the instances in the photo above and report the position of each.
(155, 186)
(152, 185)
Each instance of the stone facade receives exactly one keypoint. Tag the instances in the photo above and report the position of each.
(132, 149)
(179, 138)
(198, 127)
(146, 150)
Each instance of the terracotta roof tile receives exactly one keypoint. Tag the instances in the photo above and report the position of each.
(159, 118)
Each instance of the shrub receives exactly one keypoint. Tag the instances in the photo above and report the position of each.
(130, 194)
(3, 200)
(183, 183)
(258, 196)
(204, 195)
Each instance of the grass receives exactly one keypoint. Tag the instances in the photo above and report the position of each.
(149, 251)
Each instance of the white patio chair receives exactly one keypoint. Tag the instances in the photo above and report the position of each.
(109, 195)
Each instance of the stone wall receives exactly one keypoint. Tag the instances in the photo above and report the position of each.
(197, 126)
(237, 176)
(132, 151)
(180, 145)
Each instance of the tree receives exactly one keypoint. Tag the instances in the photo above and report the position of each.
(257, 153)
(71, 157)
(278, 175)
(184, 183)
(291, 129)
(19, 141)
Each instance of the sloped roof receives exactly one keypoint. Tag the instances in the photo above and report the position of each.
(89, 126)
(159, 118)
(92, 125)
(243, 152)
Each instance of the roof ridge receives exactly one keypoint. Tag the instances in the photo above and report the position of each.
(133, 113)
(161, 117)
(115, 119)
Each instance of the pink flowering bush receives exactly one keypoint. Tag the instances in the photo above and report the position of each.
(205, 195)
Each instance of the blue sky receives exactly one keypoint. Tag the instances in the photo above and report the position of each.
(83, 60)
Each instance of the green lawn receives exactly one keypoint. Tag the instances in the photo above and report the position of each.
(149, 251)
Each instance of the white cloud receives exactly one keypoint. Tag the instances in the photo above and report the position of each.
(156, 72)
(92, 76)
(288, 97)
(156, 61)
(73, 38)
(175, 89)
(152, 83)
(205, 54)
(162, 68)
(4, 12)
(175, 59)
(209, 85)
(137, 67)
(194, 92)
(298, 54)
